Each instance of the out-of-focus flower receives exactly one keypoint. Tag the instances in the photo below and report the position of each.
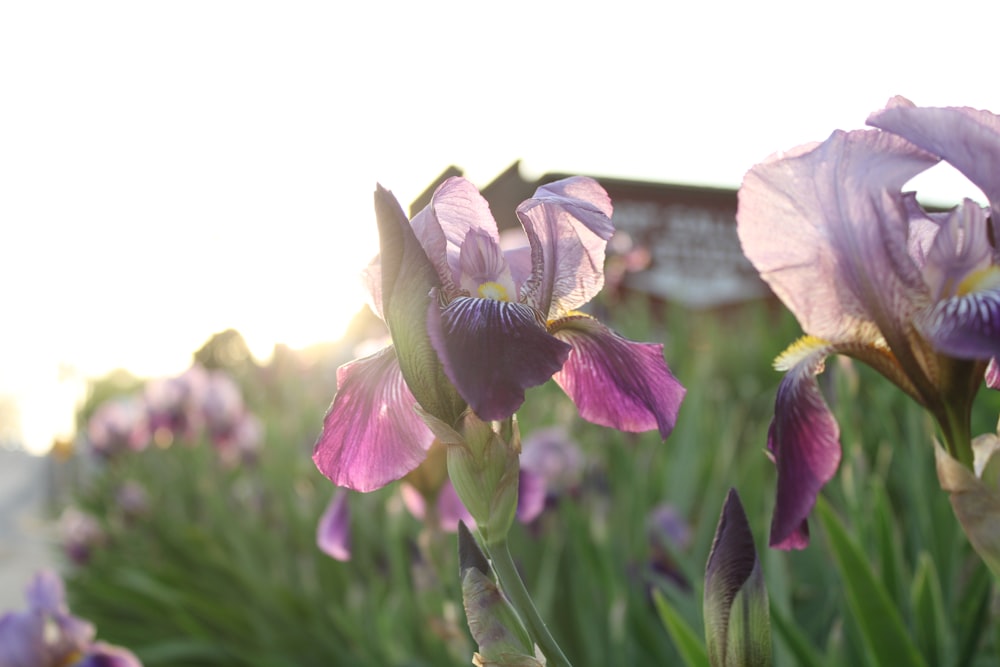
(132, 499)
(333, 532)
(737, 616)
(871, 275)
(48, 635)
(80, 533)
(553, 455)
(669, 533)
(467, 316)
(173, 406)
(118, 425)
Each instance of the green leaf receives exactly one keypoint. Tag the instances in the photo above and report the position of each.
(930, 614)
(798, 644)
(688, 644)
(878, 619)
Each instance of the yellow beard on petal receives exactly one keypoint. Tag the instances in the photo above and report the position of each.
(982, 279)
(797, 351)
(491, 290)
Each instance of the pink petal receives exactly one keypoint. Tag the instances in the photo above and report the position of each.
(492, 351)
(371, 435)
(993, 374)
(825, 227)
(531, 493)
(568, 224)
(804, 441)
(617, 382)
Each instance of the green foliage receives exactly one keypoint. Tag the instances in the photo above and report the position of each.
(223, 570)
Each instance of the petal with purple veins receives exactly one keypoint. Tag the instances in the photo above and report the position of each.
(493, 351)
(617, 382)
(372, 435)
(804, 441)
(967, 326)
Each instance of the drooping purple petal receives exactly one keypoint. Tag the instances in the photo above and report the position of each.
(966, 326)
(371, 435)
(617, 382)
(333, 532)
(493, 351)
(968, 139)
(456, 208)
(105, 655)
(827, 230)
(568, 224)
(804, 441)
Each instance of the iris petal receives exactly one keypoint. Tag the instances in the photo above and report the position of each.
(456, 208)
(967, 326)
(568, 224)
(804, 440)
(969, 139)
(371, 435)
(492, 351)
(993, 374)
(617, 382)
(839, 259)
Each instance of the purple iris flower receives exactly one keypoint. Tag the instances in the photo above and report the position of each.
(494, 321)
(871, 275)
(48, 635)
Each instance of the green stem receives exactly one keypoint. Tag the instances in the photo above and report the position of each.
(957, 436)
(513, 586)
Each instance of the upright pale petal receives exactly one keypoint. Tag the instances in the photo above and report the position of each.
(456, 208)
(493, 351)
(804, 440)
(617, 382)
(968, 139)
(371, 435)
(821, 228)
(568, 224)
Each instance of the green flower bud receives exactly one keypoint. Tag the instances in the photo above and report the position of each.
(737, 618)
(407, 280)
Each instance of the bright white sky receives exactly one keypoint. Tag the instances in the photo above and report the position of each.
(168, 170)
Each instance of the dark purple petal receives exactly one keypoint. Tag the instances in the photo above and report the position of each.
(333, 532)
(826, 228)
(617, 382)
(804, 441)
(568, 224)
(493, 351)
(966, 326)
(968, 139)
(372, 434)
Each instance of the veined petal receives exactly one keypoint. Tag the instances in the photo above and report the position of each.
(804, 440)
(967, 326)
(456, 208)
(617, 382)
(960, 249)
(968, 139)
(568, 224)
(492, 351)
(483, 270)
(372, 435)
(333, 532)
(827, 230)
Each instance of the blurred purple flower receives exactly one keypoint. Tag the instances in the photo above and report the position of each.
(80, 533)
(333, 532)
(495, 321)
(132, 499)
(173, 405)
(668, 533)
(48, 635)
(118, 425)
(870, 274)
(555, 457)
